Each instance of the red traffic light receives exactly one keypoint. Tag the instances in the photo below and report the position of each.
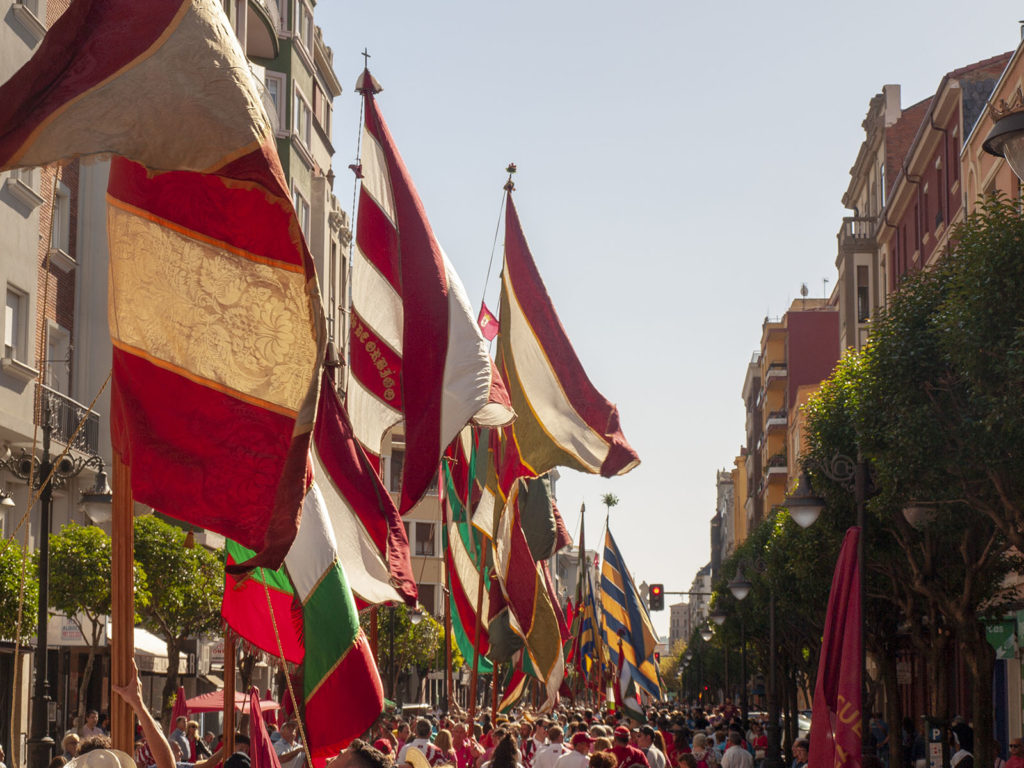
(656, 589)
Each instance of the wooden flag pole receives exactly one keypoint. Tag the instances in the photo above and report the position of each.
(494, 694)
(229, 694)
(476, 644)
(122, 604)
(449, 688)
(374, 637)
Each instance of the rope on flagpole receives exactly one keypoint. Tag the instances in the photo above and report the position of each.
(287, 676)
(509, 186)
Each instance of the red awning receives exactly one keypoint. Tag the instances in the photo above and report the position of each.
(214, 702)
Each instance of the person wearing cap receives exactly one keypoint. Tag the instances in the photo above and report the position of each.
(289, 751)
(625, 753)
(579, 756)
(645, 741)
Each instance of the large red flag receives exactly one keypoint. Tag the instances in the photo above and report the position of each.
(214, 310)
(836, 733)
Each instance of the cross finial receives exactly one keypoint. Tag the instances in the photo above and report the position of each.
(366, 58)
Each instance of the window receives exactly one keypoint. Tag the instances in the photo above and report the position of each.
(428, 597)
(395, 470)
(58, 357)
(304, 24)
(60, 230)
(14, 324)
(275, 82)
(863, 294)
(301, 211)
(424, 543)
(302, 122)
(321, 109)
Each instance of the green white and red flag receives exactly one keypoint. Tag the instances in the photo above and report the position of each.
(417, 353)
(214, 311)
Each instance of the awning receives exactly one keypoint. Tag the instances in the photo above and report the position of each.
(214, 702)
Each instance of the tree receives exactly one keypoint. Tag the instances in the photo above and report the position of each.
(80, 587)
(19, 586)
(415, 645)
(934, 403)
(609, 500)
(186, 584)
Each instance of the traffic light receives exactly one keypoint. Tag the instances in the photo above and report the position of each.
(657, 657)
(656, 597)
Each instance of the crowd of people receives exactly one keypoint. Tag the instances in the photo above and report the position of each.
(568, 737)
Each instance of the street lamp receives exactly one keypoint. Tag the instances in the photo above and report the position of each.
(44, 474)
(852, 475)
(740, 587)
(1006, 139)
(706, 633)
(718, 616)
(804, 506)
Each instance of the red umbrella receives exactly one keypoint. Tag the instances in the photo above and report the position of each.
(214, 702)
(179, 710)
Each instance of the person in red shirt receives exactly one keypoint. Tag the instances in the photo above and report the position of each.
(1016, 753)
(627, 755)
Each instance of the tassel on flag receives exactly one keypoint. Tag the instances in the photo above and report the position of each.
(488, 323)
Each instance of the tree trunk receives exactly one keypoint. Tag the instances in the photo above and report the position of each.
(170, 681)
(980, 658)
(83, 686)
(893, 710)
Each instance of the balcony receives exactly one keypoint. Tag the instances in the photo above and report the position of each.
(775, 372)
(65, 416)
(857, 234)
(776, 466)
(776, 420)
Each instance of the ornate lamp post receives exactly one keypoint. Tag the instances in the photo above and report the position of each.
(852, 475)
(740, 587)
(44, 474)
(1006, 139)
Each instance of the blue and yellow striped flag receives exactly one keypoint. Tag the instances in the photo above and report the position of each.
(625, 616)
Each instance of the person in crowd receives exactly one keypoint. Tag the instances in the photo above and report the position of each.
(443, 741)
(686, 760)
(579, 756)
(736, 755)
(180, 737)
(801, 749)
(467, 749)
(69, 746)
(91, 726)
(547, 756)
(645, 742)
(1016, 749)
(625, 753)
(535, 742)
(422, 743)
(506, 754)
(359, 754)
(290, 753)
(57, 762)
(603, 760)
(200, 751)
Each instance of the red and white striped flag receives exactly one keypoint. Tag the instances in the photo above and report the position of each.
(416, 351)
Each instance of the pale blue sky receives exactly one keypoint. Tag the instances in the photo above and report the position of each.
(681, 167)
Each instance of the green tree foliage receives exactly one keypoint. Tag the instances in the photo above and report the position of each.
(16, 567)
(186, 584)
(934, 403)
(80, 587)
(415, 645)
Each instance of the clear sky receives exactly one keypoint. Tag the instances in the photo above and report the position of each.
(681, 167)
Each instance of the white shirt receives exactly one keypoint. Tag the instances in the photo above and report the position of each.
(281, 746)
(737, 757)
(423, 745)
(546, 756)
(573, 760)
(655, 757)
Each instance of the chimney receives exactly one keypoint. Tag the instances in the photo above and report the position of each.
(892, 104)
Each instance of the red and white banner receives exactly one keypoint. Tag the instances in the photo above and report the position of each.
(214, 309)
(417, 353)
(837, 733)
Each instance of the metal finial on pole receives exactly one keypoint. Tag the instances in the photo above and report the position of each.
(366, 58)
(510, 185)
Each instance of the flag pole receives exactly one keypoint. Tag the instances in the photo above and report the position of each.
(449, 688)
(122, 604)
(473, 675)
(494, 692)
(374, 637)
(229, 693)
